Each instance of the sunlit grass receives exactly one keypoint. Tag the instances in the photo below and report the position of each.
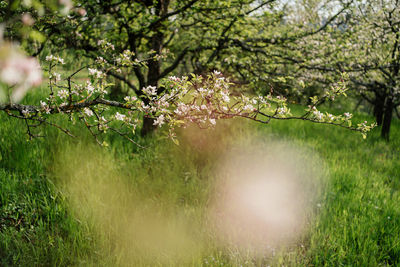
(68, 202)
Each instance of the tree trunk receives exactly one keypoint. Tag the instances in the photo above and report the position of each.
(147, 127)
(116, 91)
(379, 106)
(153, 75)
(154, 65)
(387, 119)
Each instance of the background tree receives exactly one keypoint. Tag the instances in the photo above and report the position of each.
(363, 42)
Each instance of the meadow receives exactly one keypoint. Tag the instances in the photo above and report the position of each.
(69, 202)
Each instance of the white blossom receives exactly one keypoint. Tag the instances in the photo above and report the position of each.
(248, 107)
(57, 76)
(150, 90)
(45, 107)
(88, 112)
(27, 19)
(225, 97)
(182, 109)
(119, 116)
(100, 60)
(281, 111)
(174, 78)
(63, 94)
(348, 115)
(89, 87)
(55, 59)
(318, 114)
(217, 72)
(95, 72)
(130, 98)
(159, 121)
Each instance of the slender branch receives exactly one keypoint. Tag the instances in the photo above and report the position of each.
(125, 80)
(176, 62)
(295, 118)
(126, 137)
(170, 14)
(31, 109)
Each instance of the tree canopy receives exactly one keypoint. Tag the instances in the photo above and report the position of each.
(194, 61)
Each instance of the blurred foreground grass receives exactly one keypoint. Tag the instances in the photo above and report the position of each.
(67, 202)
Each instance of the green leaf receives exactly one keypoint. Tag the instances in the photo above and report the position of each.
(37, 36)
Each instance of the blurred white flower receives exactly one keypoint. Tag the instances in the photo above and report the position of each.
(66, 6)
(81, 11)
(27, 19)
(225, 97)
(19, 71)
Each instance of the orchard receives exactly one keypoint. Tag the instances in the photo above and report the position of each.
(199, 133)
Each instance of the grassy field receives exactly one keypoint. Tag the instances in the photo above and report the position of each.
(67, 202)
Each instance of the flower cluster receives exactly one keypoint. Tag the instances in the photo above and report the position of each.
(364, 128)
(55, 59)
(105, 45)
(204, 100)
(96, 73)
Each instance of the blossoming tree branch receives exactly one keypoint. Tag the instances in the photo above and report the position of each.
(178, 101)
(168, 103)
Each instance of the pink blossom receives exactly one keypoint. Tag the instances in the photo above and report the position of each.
(81, 11)
(20, 71)
(27, 19)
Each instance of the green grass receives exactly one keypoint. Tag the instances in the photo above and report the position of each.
(359, 219)
(65, 202)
